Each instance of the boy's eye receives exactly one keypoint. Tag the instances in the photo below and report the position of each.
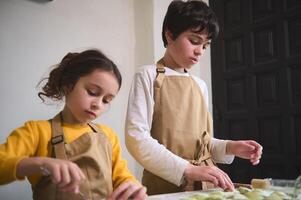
(195, 41)
(205, 46)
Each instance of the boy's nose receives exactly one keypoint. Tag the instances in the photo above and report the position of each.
(199, 50)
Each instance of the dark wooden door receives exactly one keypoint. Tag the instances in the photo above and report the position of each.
(256, 81)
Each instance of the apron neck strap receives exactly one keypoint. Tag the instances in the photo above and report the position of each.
(160, 73)
(94, 127)
(160, 66)
(58, 140)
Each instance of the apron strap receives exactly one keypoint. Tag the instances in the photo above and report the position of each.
(94, 127)
(58, 140)
(160, 73)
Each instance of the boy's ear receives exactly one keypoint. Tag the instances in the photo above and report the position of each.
(168, 36)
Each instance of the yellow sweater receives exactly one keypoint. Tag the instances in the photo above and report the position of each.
(32, 140)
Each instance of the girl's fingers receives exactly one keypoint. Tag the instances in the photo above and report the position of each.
(81, 174)
(130, 190)
(67, 175)
(73, 187)
(119, 190)
(140, 194)
(66, 179)
(55, 174)
(75, 181)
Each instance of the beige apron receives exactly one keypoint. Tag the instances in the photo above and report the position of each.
(183, 124)
(92, 152)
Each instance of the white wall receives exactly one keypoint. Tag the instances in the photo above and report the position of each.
(35, 34)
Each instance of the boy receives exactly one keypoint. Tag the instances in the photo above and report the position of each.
(168, 125)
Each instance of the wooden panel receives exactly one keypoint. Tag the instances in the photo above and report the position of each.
(267, 85)
(234, 53)
(294, 33)
(263, 8)
(265, 44)
(238, 129)
(297, 131)
(274, 170)
(256, 83)
(236, 99)
(242, 172)
(232, 13)
(293, 4)
(271, 135)
(296, 84)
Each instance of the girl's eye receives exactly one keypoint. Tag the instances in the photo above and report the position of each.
(106, 101)
(92, 93)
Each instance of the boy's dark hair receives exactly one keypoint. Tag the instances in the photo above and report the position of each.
(72, 67)
(193, 14)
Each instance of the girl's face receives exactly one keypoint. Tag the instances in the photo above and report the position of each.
(186, 49)
(90, 97)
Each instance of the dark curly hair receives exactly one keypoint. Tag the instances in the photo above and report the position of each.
(72, 67)
(194, 14)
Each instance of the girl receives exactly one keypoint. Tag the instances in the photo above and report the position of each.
(168, 125)
(69, 157)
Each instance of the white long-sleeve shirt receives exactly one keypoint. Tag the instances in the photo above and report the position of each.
(152, 155)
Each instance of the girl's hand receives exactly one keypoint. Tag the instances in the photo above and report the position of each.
(129, 190)
(247, 149)
(67, 175)
(209, 173)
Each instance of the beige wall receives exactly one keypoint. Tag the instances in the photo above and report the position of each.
(36, 34)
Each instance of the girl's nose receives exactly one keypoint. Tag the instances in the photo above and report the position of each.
(96, 103)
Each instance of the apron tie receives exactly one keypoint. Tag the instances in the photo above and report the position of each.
(202, 158)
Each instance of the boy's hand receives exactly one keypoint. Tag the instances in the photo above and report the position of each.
(247, 149)
(129, 190)
(209, 173)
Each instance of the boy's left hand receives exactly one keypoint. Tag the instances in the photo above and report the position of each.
(129, 190)
(247, 149)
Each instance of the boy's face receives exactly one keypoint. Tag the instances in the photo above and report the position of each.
(187, 48)
(90, 97)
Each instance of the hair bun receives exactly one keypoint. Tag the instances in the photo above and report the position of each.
(67, 58)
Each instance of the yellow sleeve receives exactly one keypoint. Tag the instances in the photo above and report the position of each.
(120, 170)
(21, 143)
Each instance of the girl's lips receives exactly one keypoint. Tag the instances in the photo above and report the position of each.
(91, 113)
